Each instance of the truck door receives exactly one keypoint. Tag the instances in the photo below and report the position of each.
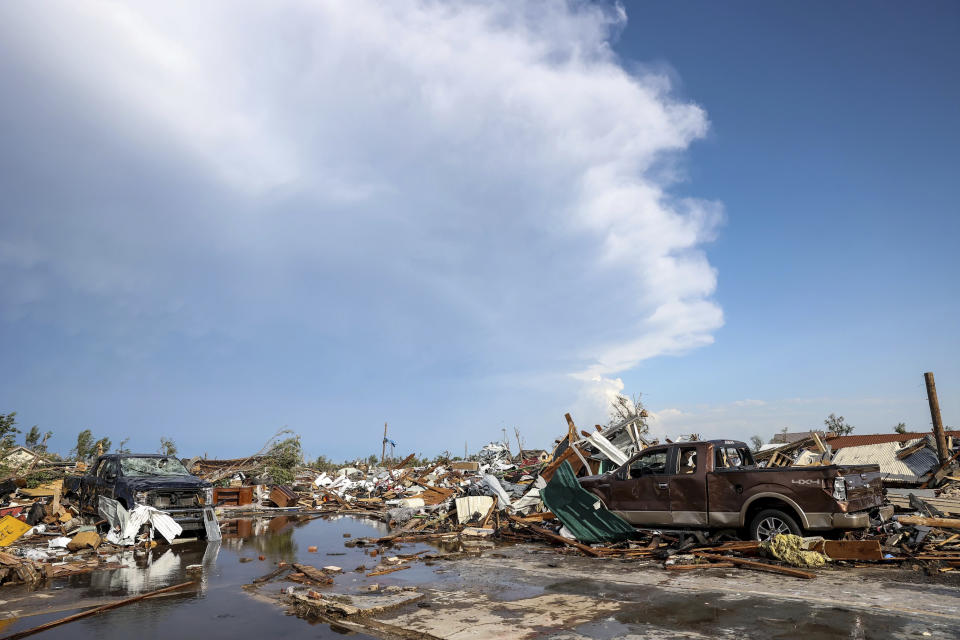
(107, 479)
(688, 485)
(640, 491)
(88, 486)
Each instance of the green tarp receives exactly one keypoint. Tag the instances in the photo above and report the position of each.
(579, 511)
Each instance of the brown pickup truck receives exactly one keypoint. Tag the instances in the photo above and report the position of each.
(715, 484)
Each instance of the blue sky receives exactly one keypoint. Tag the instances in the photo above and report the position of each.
(218, 222)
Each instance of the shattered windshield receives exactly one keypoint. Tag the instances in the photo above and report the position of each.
(152, 467)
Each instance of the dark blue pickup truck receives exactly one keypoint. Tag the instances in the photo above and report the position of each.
(155, 480)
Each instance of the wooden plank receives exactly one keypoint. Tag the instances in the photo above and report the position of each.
(949, 506)
(43, 491)
(590, 551)
(863, 550)
(704, 565)
(942, 523)
(568, 455)
(402, 463)
(486, 518)
(940, 469)
(538, 517)
(912, 449)
(760, 566)
(273, 574)
(94, 611)
(948, 540)
(384, 572)
(313, 573)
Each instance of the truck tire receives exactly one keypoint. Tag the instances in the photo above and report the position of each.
(771, 522)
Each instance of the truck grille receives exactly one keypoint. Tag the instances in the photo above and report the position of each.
(174, 499)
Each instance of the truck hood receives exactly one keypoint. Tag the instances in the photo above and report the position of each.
(149, 483)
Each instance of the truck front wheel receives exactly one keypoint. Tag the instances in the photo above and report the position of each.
(771, 522)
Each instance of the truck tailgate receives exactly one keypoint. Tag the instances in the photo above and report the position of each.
(864, 490)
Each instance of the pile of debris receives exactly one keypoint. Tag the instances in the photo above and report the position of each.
(495, 496)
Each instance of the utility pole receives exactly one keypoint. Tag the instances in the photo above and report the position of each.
(516, 430)
(942, 452)
(506, 440)
(383, 450)
(464, 449)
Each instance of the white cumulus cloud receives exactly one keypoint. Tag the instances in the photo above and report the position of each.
(475, 183)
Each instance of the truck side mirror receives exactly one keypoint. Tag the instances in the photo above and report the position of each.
(110, 477)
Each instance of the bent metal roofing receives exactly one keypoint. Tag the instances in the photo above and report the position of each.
(839, 442)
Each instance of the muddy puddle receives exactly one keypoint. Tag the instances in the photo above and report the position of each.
(219, 606)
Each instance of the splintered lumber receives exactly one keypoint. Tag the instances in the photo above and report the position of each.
(402, 463)
(273, 574)
(94, 611)
(574, 457)
(590, 551)
(760, 566)
(538, 517)
(313, 573)
(486, 518)
(745, 546)
(434, 495)
(382, 572)
(906, 452)
(948, 540)
(949, 506)
(941, 523)
(939, 470)
(333, 496)
(704, 565)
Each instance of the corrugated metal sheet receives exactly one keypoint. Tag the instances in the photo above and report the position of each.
(840, 442)
(795, 436)
(910, 469)
(580, 511)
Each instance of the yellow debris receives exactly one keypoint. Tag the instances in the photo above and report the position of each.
(788, 548)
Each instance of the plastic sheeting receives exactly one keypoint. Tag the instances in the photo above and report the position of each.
(491, 483)
(580, 511)
(530, 501)
(125, 525)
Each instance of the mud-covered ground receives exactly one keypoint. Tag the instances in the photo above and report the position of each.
(512, 591)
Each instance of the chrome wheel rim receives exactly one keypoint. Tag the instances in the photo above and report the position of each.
(770, 527)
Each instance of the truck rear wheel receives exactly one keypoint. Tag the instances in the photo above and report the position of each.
(771, 522)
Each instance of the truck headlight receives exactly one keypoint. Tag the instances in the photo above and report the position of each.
(839, 489)
(206, 498)
(141, 497)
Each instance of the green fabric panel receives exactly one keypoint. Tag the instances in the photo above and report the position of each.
(573, 506)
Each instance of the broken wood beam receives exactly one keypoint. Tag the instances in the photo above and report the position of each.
(704, 565)
(273, 574)
(94, 611)
(383, 572)
(486, 518)
(590, 551)
(760, 566)
(313, 573)
(402, 463)
(941, 523)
